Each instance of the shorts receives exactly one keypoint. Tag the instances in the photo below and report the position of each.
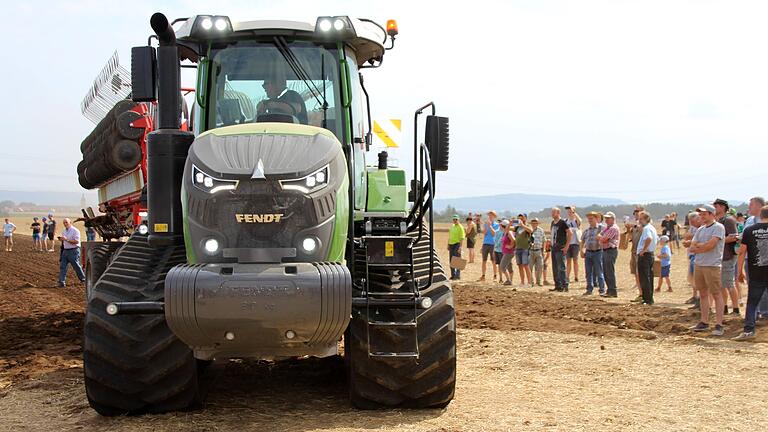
(707, 278)
(506, 263)
(470, 243)
(497, 257)
(573, 251)
(35, 236)
(665, 270)
(523, 256)
(633, 264)
(728, 273)
(691, 265)
(487, 251)
(50, 236)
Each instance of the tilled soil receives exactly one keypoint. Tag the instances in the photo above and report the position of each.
(527, 360)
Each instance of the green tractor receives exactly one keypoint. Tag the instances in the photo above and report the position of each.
(268, 234)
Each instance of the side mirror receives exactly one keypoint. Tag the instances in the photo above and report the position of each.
(143, 74)
(436, 140)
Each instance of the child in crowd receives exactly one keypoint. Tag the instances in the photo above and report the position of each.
(665, 255)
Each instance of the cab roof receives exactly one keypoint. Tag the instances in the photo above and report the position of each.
(368, 43)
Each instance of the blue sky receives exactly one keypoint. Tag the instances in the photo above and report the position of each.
(638, 100)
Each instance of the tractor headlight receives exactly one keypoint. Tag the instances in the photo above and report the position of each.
(311, 183)
(208, 26)
(211, 246)
(210, 184)
(336, 28)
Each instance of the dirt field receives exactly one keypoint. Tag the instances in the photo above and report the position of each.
(528, 360)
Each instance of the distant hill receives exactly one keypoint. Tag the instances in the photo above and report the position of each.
(520, 202)
(49, 198)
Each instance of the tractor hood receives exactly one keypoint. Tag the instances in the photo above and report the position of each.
(274, 150)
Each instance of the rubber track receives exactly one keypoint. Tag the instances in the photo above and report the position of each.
(134, 364)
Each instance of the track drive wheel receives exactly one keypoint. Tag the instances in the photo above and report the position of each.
(133, 363)
(426, 382)
(96, 261)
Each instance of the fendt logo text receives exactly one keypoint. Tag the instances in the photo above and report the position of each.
(259, 218)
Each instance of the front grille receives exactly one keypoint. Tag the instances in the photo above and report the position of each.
(257, 197)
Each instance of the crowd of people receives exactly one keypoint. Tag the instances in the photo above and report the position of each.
(44, 239)
(725, 249)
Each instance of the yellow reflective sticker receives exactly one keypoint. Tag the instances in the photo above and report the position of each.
(389, 249)
(161, 227)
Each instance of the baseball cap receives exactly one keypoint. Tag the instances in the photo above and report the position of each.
(492, 212)
(610, 215)
(706, 208)
(456, 217)
(593, 213)
(535, 219)
(664, 238)
(722, 202)
(522, 215)
(504, 223)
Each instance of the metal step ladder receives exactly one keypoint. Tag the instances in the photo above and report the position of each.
(397, 256)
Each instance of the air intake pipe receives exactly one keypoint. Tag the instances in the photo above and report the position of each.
(167, 147)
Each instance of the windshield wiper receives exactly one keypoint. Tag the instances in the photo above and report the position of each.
(301, 73)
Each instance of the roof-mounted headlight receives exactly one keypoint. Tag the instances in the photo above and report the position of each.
(335, 28)
(211, 26)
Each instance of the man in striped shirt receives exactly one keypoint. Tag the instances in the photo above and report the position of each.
(537, 250)
(609, 241)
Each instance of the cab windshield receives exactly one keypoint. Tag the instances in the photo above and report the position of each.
(291, 82)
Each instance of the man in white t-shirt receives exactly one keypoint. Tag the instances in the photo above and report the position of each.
(8, 230)
(574, 246)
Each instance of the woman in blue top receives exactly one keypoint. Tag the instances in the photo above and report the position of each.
(665, 255)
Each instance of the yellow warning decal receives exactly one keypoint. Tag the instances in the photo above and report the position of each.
(161, 227)
(389, 248)
(388, 131)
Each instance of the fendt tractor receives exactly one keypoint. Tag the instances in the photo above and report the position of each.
(254, 228)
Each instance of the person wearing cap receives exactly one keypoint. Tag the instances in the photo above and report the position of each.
(592, 254)
(471, 231)
(44, 235)
(489, 229)
(609, 242)
(646, 251)
(522, 249)
(708, 244)
(561, 239)
(538, 238)
(755, 246)
(455, 237)
(37, 243)
(665, 255)
(728, 268)
(508, 252)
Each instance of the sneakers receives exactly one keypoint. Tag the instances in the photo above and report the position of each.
(539, 284)
(744, 336)
(507, 283)
(587, 293)
(691, 300)
(555, 289)
(60, 285)
(700, 327)
(735, 311)
(718, 331)
(638, 299)
(482, 278)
